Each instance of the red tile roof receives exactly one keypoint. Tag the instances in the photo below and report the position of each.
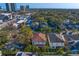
(39, 37)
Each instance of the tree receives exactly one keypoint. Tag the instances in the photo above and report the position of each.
(58, 30)
(32, 48)
(60, 51)
(25, 34)
(3, 37)
(45, 29)
(41, 19)
(28, 48)
(8, 52)
(68, 51)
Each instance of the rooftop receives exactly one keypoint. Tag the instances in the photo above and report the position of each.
(21, 21)
(54, 38)
(39, 37)
(71, 37)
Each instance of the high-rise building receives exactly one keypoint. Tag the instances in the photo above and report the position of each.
(10, 6)
(7, 7)
(0, 7)
(27, 7)
(13, 6)
(22, 7)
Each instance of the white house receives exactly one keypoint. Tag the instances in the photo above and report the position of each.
(55, 41)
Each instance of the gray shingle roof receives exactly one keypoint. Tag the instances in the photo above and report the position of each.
(2, 17)
(54, 38)
(71, 37)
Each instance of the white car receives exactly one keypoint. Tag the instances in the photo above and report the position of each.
(24, 54)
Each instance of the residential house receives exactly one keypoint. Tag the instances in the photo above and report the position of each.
(39, 39)
(72, 42)
(77, 26)
(3, 18)
(42, 24)
(53, 25)
(68, 24)
(12, 45)
(20, 21)
(71, 39)
(9, 15)
(55, 41)
(18, 24)
(34, 25)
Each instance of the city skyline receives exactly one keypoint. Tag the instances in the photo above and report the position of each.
(10, 6)
(45, 5)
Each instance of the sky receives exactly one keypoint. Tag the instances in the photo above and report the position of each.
(46, 5)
